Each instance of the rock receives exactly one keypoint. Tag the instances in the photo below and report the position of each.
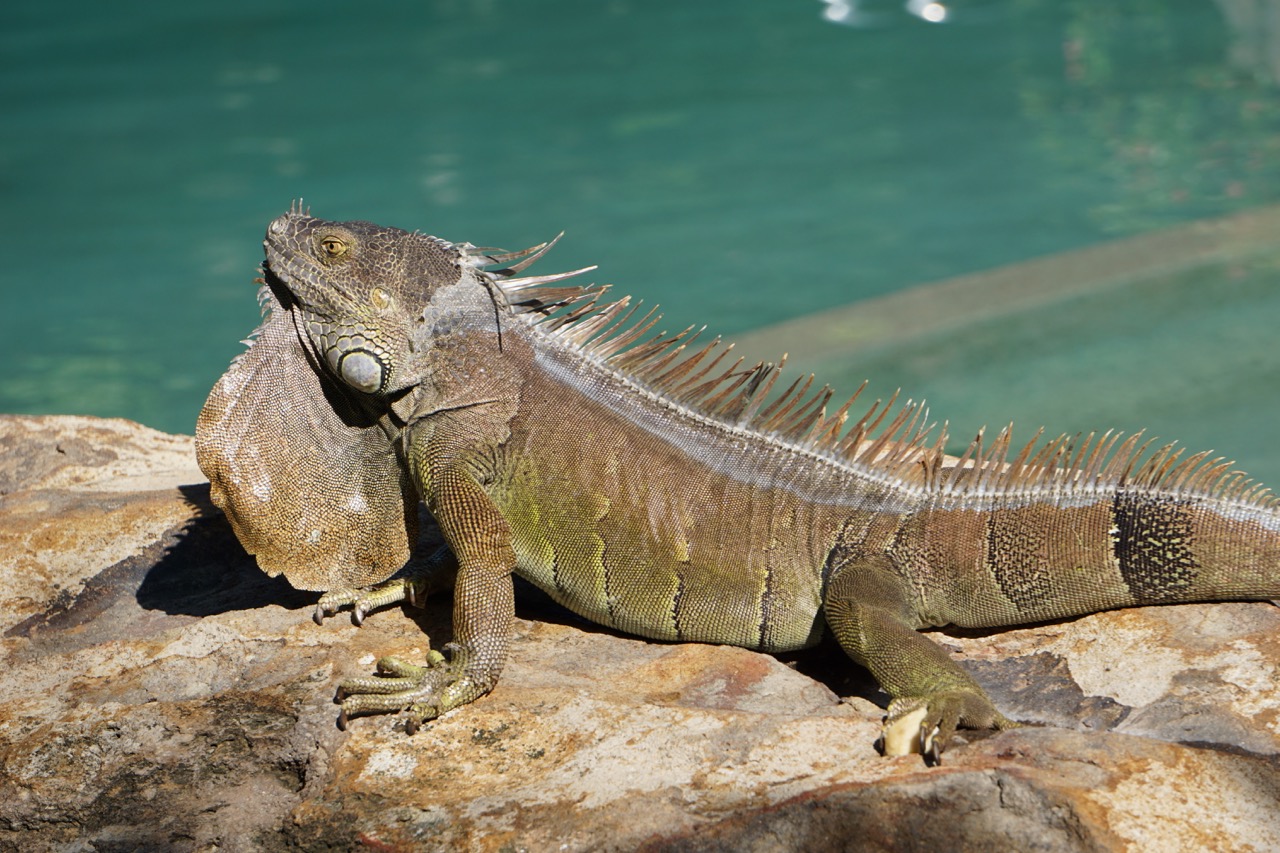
(162, 693)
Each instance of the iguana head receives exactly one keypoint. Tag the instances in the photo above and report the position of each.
(356, 286)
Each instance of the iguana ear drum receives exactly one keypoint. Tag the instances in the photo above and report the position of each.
(362, 370)
(352, 356)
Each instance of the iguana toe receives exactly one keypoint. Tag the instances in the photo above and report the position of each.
(901, 734)
(367, 599)
(925, 725)
(333, 601)
(421, 692)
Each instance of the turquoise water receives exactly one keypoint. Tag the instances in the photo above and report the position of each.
(739, 163)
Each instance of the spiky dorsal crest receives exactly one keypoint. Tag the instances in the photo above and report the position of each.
(1094, 464)
(901, 449)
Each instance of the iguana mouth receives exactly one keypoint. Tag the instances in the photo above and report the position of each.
(291, 269)
(279, 287)
(284, 269)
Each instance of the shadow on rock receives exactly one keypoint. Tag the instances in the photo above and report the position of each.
(195, 569)
(204, 570)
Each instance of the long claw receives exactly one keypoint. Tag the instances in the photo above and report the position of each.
(936, 733)
(931, 746)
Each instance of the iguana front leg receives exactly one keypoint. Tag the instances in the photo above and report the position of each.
(867, 605)
(483, 609)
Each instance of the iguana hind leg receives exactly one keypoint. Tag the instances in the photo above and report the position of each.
(867, 605)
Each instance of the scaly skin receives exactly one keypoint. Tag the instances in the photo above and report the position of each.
(651, 492)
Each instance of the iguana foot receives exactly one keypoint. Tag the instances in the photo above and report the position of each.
(421, 692)
(412, 584)
(924, 725)
(364, 600)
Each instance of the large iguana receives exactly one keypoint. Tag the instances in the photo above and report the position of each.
(658, 489)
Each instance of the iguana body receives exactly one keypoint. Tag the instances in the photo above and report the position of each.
(654, 489)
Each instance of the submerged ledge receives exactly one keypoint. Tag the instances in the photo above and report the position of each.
(1172, 333)
(931, 308)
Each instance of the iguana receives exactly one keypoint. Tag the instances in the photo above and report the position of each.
(661, 488)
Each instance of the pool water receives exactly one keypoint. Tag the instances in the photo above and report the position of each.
(741, 164)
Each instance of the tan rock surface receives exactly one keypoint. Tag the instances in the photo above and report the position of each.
(162, 693)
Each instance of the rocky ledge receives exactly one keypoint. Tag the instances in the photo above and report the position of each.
(161, 693)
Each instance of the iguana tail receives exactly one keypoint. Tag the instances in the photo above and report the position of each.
(1040, 539)
(1062, 532)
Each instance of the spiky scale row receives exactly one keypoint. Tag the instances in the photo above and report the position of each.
(1069, 465)
(902, 451)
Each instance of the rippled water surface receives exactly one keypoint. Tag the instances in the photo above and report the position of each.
(742, 164)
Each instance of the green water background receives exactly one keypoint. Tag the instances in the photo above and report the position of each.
(741, 164)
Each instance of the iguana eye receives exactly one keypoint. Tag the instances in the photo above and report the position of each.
(380, 298)
(333, 248)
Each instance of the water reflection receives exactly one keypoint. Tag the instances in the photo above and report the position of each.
(934, 13)
(1144, 100)
(854, 13)
(1255, 36)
